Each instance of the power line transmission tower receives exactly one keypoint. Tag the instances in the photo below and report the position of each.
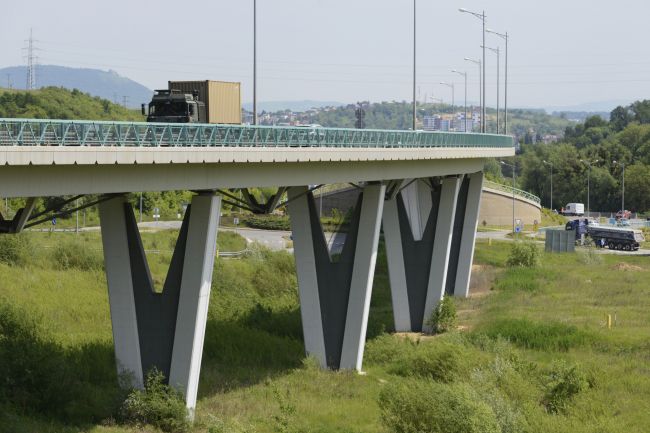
(125, 100)
(32, 60)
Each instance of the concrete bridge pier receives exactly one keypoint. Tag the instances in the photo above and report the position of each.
(418, 223)
(335, 291)
(163, 330)
(464, 235)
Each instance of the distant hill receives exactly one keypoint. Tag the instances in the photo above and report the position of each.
(105, 84)
(296, 106)
(60, 103)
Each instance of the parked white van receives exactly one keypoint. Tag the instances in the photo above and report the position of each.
(574, 209)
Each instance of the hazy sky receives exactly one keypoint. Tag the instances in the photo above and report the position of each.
(562, 53)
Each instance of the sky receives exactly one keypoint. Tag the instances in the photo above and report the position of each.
(562, 53)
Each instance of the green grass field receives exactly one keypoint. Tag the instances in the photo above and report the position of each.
(533, 353)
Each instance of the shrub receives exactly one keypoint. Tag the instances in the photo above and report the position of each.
(563, 382)
(444, 316)
(417, 406)
(77, 254)
(535, 335)
(387, 348)
(16, 250)
(268, 222)
(439, 361)
(524, 254)
(159, 405)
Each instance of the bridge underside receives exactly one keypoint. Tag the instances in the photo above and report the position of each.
(428, 209)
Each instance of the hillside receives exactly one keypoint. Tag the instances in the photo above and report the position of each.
(59, 103)
(532, 355)
(397, 115)
(105, 84)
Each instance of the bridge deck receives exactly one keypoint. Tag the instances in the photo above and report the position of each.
(34, 132)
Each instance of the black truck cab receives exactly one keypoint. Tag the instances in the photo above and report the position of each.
(173, 106)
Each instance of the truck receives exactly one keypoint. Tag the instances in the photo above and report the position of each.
(615, 238)
(574, 209)
(196, 102)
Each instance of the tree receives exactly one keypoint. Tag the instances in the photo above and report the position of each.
(637, 191)
(641, 111)
(619, 118)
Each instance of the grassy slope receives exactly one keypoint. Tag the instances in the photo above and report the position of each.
(254, 375)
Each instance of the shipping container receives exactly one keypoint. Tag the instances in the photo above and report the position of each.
(222, 98)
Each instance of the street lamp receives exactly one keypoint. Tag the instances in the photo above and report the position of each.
(451, 86)
(464, 74)
(589, 164)
(254, 62)
(548, 163)
(482, 17)
(622, 164)
(506, 38)
(513, 193)
(414, 64)
(480, 81)
(497, 52)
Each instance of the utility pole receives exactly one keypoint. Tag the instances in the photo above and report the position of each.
(548, 163)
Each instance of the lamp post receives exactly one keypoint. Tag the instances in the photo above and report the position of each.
(548, 163)
(482, 17)
(506, 38)
(453, 98)
(254, 62)
(497, 52)
(414, 63)
(464, 74)
(622, 164)
(589, 164)
(480, 81)
(513, 193)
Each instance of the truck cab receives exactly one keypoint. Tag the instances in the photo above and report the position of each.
(173, 106)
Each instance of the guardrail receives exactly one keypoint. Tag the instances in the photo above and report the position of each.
(509, 190)
(48, 132)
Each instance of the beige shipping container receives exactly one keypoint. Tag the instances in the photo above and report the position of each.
(222, 98)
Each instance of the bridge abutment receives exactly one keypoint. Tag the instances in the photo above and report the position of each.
(162, 330)
(335, 291)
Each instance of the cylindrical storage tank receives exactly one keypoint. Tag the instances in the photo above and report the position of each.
(222, 98)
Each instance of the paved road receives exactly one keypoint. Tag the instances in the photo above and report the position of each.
(280, 240)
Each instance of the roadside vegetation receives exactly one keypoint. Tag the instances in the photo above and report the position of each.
(531, 350)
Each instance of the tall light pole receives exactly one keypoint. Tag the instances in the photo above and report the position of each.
(506, 38)
(497, 52)
(548, 163)
(464, 74)
(622, 164)
(254, 62)
(480, 82)
(513, 193)
(589, 164)
(414, 63)
(482, 17)
(453, 98)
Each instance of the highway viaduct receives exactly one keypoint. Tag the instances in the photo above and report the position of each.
(424, 188)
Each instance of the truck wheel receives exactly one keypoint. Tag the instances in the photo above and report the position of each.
(619, 246)
(628, 247)
(610, 245)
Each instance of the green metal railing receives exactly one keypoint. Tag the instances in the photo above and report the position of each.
(47, 132)
(509, 190)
